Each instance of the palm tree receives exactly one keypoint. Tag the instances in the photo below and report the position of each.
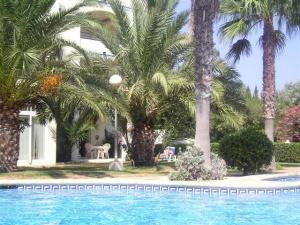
(203, 12)
(227, 104)
(29, 36)
(244, 16)
(147, 46)
(82, 98)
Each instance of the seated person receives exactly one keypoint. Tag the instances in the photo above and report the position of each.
(168, 153)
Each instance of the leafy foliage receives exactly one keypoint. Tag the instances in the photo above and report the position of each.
(227, 105)
(78, 131)
(287, 152)
(288, 126)
(215, 147)
(30, 37)
(248, 150)
(289, 96)
(148, 45)
(31, 44)
(253, 108)
(83, 97)
(190, 166)
(284, 152)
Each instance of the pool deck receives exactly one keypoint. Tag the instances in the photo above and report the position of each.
(253, 181)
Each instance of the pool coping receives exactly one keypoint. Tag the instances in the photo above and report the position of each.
(253, 181)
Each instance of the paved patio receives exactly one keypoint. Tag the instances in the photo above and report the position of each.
(253, 181)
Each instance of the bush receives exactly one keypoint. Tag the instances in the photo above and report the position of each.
(215, 148)
(288, 127)
(248, 150)
(287, 152)
(190, 166)
(219, 168)
(284, 152)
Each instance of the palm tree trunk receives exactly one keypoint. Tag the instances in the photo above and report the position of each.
(203, 16)
(9, 137)
(269, 89)
(191, 22)
(63, 145)
(142, 145)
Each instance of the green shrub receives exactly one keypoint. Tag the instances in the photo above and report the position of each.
(215, 147)
(287, 152)
(190, 166)
(284, 152)
(248, 150)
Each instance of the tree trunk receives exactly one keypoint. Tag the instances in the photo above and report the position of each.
(9, 137)
(203, 16)
(142, 146)
(63, 146)
(269, 89)
(191, 23)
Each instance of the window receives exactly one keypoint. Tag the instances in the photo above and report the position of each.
(25, 142)
(38, 139)
(32, 140)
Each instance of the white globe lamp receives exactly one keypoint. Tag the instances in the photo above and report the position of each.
(115, 80)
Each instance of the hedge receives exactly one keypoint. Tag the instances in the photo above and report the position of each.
(287, 152)
(284, 152)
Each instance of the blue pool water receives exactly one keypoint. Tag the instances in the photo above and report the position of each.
(286, 178)
(65, 207)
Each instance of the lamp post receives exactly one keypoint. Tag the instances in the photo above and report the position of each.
(115, 81)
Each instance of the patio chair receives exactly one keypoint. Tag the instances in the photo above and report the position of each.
(106, 147)
(90, 150)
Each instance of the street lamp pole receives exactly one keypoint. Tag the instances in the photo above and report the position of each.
(115, 81)
(116, 134)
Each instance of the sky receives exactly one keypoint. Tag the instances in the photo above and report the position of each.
(250, 68)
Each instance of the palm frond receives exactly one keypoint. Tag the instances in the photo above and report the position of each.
(160, 79)
(239, 48)
(280, 41)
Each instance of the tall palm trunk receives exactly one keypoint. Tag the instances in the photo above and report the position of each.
(9, 137)
(203, 17)
(191, 23)
(63, 145)
(269, 88)
(143, 143)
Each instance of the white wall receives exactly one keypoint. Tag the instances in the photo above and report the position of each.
(94, 46)
(50, 143)
(100, 131)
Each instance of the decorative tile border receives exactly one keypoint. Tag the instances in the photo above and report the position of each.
(154, 188)
(8, 187)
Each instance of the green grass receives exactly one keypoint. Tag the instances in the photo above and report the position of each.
(289, 164)
(84, 171)
(279, 166)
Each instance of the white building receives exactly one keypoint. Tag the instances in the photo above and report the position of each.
(37, 142)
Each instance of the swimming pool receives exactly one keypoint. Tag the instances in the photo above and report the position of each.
(293, 178)
(141, 207)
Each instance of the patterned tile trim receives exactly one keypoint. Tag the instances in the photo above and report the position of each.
(157, 188)
(8, 187)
